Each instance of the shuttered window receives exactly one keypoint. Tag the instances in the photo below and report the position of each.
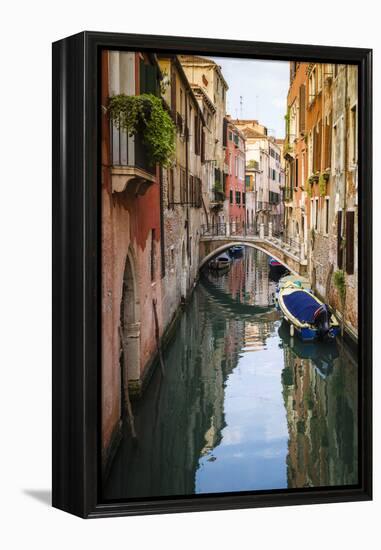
(349, 242)
(339, 235)
(328, 141)
(148, 78)
(302, 108)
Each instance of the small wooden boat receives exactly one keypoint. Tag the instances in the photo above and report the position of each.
(276, 269)
(307, 315)
(295, 280)
(220, 262)
(236, 250)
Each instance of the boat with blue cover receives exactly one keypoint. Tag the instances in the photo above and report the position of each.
(307, 315)
(236, 250)
(297, 280)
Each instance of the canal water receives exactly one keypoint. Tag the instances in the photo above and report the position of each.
(242, 407)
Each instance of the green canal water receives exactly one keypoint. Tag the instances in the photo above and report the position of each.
(242, 407)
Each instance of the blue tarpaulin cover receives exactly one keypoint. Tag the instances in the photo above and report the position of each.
(301, 305)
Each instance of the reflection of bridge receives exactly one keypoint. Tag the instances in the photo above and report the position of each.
(216, 239)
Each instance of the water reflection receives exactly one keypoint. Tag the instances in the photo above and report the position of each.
(241, 407)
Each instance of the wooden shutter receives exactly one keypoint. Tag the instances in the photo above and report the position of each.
(349, 242)
(302, 108)
(202, 145)
(328, 141)
(339, 249)
(318, 146)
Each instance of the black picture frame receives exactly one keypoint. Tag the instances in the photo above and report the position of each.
(76, 271)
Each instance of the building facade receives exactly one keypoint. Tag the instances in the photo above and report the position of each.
(151, 219)
(264, 149)
(235, 190)
(321, 187)
(206, 78)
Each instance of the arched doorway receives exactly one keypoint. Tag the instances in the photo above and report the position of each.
(130, 324)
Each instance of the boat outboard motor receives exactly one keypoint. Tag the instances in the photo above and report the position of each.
(321, 320)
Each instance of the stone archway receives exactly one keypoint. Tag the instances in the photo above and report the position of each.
(130, 324)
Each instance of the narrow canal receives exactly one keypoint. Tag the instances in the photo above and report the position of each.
(241, 407)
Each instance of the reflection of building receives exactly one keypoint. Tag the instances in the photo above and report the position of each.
(322, 422)
(181, 416)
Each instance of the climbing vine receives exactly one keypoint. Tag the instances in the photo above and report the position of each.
(339, 282)
(145, 114)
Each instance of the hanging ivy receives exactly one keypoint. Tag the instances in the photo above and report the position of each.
(145, 115)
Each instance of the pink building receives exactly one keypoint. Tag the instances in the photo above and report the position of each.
(235, 175)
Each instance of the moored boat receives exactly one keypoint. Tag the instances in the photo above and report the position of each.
(220, 262)
(236, 250)
(308, 316)
(276, 269)
(295, 280)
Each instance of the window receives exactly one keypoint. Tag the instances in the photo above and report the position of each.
(243, 198)
(238, 197)
(230, 136)
(247, 182)
(328, 141)
(296, 171)
(312, 85)
(152, 255)
(302, 108)
(326, 229)
(231, 196)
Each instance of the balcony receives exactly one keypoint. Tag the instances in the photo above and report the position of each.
(131, 167)
(263, 206)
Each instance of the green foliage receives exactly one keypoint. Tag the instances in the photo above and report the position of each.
(308, 187)
(322, 185)
(145, 114)
(339, 282)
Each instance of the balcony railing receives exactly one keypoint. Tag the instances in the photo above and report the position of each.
(131, 163)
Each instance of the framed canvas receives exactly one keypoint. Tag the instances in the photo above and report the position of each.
(212, 229)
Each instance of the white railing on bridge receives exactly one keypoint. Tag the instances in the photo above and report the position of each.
(258, 232)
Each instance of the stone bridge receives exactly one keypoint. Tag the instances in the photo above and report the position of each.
(289, 253)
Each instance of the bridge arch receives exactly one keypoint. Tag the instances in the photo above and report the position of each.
(228, 245)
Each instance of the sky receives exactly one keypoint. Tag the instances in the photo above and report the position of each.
(263, 86)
